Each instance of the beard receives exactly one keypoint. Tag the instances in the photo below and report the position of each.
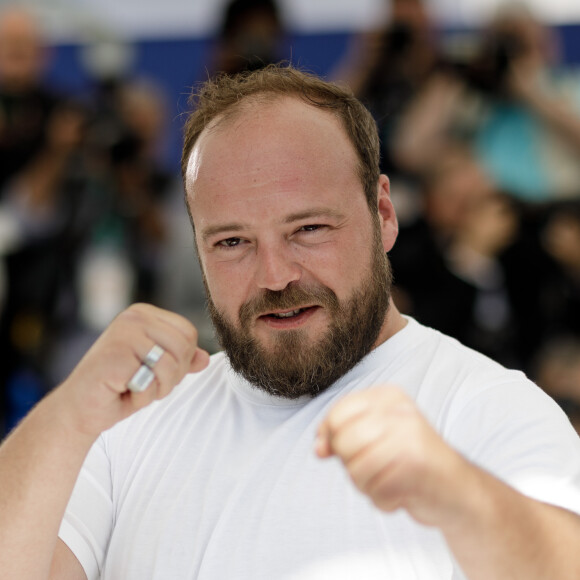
(295, 365)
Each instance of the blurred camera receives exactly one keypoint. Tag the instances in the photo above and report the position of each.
(487, 69)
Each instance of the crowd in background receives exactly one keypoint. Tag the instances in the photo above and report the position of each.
(82, 212)
(481, 142)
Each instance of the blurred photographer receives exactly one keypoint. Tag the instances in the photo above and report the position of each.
(251, 36)
(513, 41)
(510, 104)
(388, 67)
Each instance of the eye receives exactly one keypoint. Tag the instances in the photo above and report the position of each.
(310, 228)
(229, 242)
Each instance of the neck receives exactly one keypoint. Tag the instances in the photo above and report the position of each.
(394, 322)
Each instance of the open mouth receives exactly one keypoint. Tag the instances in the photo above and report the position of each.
(289, 316)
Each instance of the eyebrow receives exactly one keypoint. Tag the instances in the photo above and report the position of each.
(313, 213)
(291, 218)
(219, 229)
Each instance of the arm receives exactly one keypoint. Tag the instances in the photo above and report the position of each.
(41, 459)
(422, 133)
(362, 56)
(40, 180)
(395, 457)
(548, 106)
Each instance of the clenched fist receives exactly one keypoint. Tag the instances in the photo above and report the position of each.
(96, 393)
(394, 456)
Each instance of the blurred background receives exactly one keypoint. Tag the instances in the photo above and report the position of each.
(478, 108)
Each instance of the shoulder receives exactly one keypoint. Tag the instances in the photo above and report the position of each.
(498, 418)
(464, 376)
(427, 355)
(444, 377)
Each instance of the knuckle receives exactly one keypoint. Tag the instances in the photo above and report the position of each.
(131, 313)
(170, 372)
(190, 332)
(182, 349)
(344, 408)
(145, 310)
(389, 394)
(330, 420)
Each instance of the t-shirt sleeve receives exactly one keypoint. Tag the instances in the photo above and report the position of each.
(87, 523)
(519, 434)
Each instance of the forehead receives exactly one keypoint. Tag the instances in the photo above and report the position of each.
(285, 137)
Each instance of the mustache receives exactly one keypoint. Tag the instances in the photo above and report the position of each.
(290, 297)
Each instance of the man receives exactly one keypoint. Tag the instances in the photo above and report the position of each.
(217, 478)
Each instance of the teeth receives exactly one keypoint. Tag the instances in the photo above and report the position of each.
(287, 314)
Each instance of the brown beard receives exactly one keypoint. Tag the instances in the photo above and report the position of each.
(293, 366)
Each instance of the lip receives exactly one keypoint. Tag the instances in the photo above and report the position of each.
(291, 322)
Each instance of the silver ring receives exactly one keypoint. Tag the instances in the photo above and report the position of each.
(141, 379)
(153, 356)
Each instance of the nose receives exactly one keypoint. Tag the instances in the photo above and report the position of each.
(276, 268)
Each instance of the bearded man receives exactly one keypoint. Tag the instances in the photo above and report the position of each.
(462, 470)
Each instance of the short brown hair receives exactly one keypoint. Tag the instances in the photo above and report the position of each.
(225, 94)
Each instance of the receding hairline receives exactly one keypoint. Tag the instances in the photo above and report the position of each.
(225, 97)
(268, 97)
(241, 111)
(235, 112)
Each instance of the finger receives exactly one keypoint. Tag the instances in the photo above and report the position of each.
(179, 351)
(166, 371)
(322, 444)
(358, 434)
(177, 321)
(143, 327)
(165, 384)
(141, 379)
(347, 409)
(176, 335)
(152, 390)
(378, 473)
(375, 459)
(148, 317)
(382, 397)
(389, 489)
(152, 382)
(351, 408)
(167, 375)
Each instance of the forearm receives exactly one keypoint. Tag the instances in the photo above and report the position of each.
(557, 114)
(42, 178)
(39, 464)
(394, 456)
(362, 55)
(505, 535)
(423, 130)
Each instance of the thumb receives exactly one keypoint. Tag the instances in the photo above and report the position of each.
(199, 361)
(322, 445)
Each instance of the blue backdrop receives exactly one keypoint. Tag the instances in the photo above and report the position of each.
(177, 64)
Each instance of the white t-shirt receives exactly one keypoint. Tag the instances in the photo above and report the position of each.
(220, 481)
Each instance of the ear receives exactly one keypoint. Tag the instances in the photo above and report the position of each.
(387, 216)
